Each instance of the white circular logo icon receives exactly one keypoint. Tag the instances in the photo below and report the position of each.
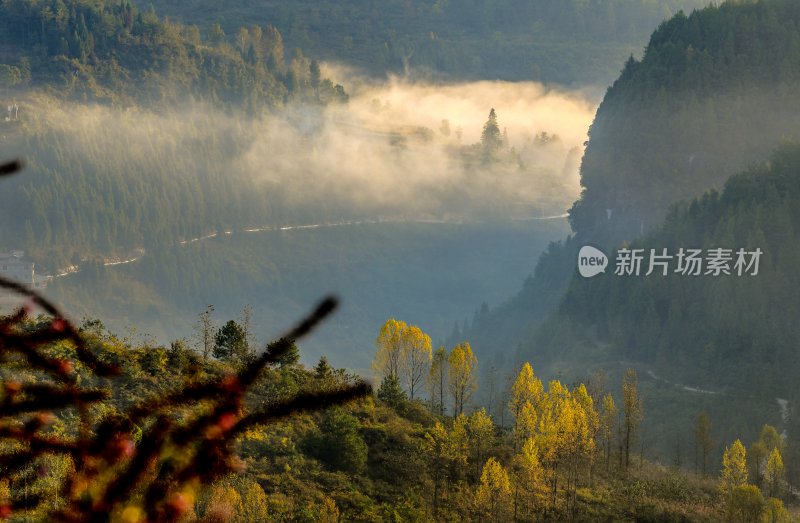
(591, 261)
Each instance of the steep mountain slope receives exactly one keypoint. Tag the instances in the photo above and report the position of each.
(709, 330)
(714, 92)
(726, 344)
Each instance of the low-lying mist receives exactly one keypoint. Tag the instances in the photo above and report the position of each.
(397, 150)
(139, 184)
(413, 150)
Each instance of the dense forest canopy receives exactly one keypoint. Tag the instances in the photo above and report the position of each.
(721, 331)
(241, 435)
(726, 342)
(715, 91)
(711, 97)
(572, 42)
(177, 172)
(113, 52)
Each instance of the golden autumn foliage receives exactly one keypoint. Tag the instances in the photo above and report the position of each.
(329, 512)
(746, 504)
(459, 440)
(415, 358)
(734, 467)
(222, 502)
(253, 505)
(525, 423)
(493, 497)
(390, 348)
(608, 420)
(480, 433)
(527, 390)
(775, 512)
(565, 437)
(775, 472)
(404, 352)
(530, 489)
(443, 451)
(462, 376)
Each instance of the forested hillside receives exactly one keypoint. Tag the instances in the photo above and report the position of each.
(204, 135)
(173, 435)
(715, 331)
(115, 52)
(727, 342)
(569, 42)
(193, 188)
(713, 94)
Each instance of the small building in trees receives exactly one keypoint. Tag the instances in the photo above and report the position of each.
(14, 266)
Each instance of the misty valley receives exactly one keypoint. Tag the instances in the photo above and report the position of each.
(365, 261)
(431, 272)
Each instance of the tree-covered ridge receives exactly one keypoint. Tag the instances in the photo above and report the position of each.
(730, 332)
(384, 458)
(223, 433)
(714, 92)
(568, 42)
(114, 52)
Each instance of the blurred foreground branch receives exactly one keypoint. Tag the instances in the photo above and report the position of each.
(157, 479)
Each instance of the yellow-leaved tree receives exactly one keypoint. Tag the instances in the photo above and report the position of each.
(492, 499)
(586, 444)
(746, 504)
(526, 424)
(576, 444)
(759, 453)
(415, 357)
(774, 473)
(586, 402)
(462, 376)
(480, 432)
(775, 512)
(734, 473)
(529, 482)
(390, 349)
(527, 389)
(329, 512)
(253, 505)
(565, 436)
(734, 467)
(221, 503)
(445, 451)
(439, 454)
(549, 436)
(459, 445)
